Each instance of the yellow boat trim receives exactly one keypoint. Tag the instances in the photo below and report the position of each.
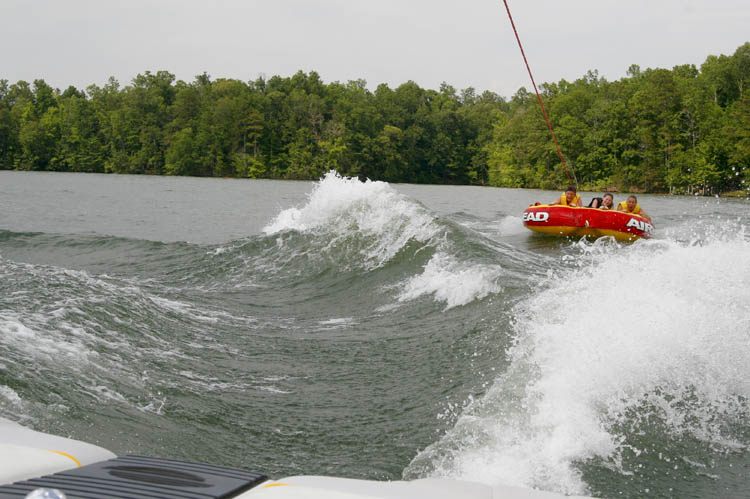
(66, 455)
(564, 230)
(276, 484)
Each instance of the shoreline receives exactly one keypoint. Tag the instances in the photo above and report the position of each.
(728, 194)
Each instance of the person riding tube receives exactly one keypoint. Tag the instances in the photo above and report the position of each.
(595, 203)
(569, 197)
(607, 202)
(632, 206)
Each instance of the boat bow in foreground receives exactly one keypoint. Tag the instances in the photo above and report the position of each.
(70, 469)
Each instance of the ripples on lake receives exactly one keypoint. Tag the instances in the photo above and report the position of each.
(378, 331)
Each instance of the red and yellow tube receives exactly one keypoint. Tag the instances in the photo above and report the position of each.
(567, 221)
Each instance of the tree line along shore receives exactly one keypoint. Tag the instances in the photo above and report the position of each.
(684, 130)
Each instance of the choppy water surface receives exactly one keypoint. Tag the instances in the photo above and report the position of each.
(378, 331)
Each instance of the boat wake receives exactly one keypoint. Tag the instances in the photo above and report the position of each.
(368, 225)
(618, 363)
(572, 366)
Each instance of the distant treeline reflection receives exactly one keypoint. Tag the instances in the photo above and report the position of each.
(656, 130)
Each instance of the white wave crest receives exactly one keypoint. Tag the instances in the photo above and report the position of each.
(658, 322)
(452, 282)
(10, 394)
(341, 206)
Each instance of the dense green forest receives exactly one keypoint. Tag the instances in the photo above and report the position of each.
(656, 130)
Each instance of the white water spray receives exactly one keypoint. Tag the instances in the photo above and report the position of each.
(340, 206)
(657, 322)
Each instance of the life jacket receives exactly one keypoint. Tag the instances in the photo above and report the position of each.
(564, 201)
(624, 206)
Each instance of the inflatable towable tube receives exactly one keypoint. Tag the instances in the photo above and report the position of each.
(566, 221)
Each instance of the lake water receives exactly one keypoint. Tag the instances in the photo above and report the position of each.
(378, 331)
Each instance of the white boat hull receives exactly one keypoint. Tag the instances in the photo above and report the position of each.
(26, 454)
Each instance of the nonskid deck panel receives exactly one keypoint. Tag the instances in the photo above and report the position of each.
(142, 477)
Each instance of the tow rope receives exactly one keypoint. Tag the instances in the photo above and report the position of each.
(539, 97)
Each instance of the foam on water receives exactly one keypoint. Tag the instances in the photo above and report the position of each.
(92, 329)
(378, 222)
(39, 346)
(452, 282)
(341, 208)
(10, 394)
(658, 329)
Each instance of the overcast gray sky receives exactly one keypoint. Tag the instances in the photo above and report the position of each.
(465, 43)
